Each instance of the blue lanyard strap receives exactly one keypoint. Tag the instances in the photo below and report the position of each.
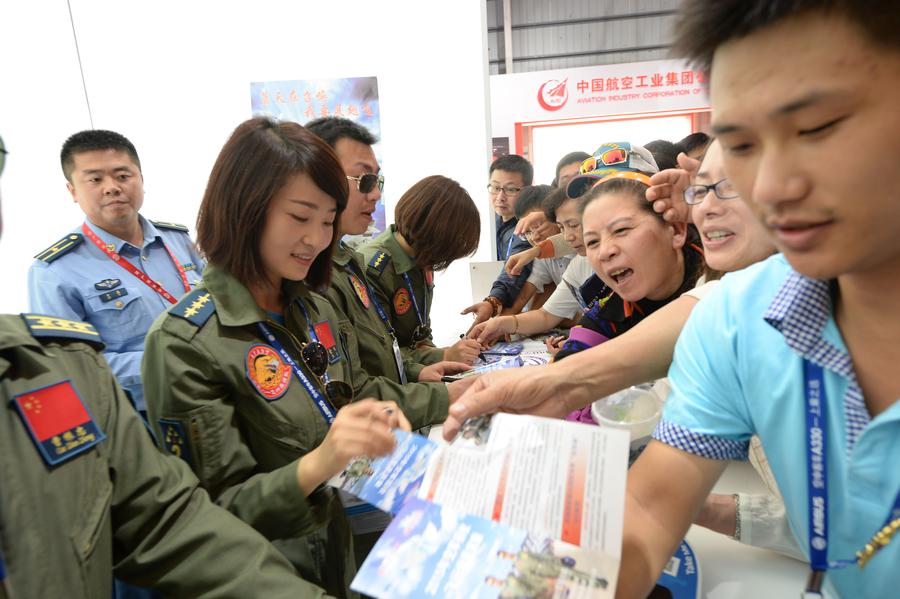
(509, 247)
(817, 482)
(412, 294)
(381, 313)
(325, 407)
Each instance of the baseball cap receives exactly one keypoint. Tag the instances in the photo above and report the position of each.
(609, 159)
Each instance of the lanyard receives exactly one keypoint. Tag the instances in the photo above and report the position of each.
(817, 484)
(325, 407)
(142, 276)
(381, 313)
(509, 247)
(412, 294)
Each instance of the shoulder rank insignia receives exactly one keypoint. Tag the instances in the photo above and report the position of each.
(61, 247)
(380, 261)
(196, 307)
(58, 421)
(175, 440)
(41, 326)
(173, 226)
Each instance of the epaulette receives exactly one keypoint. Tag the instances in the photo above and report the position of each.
(379, 261)
(61, 247)
(42, 327)
(195, 307)
(173, 226)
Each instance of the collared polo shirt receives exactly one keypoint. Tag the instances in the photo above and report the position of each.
(738, 371)
(85, 284)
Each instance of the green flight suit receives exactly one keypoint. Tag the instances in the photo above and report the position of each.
(103, 499)
(370, 348)
(246, 426)
(387, 262)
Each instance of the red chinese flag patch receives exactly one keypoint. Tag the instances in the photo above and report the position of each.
(323, 332)
(58, 421)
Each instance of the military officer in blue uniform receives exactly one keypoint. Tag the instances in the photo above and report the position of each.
(118, 270)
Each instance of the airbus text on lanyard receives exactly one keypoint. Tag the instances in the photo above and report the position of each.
(398, 358)
(325, 407)
(817, 483)
(141, 275)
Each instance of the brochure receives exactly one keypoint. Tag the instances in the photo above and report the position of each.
(434, 551)
(388, 481)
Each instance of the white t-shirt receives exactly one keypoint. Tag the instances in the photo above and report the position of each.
(702, 289)
(562, 303)
(548, 270)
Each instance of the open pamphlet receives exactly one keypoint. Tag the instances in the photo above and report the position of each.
(516, 506)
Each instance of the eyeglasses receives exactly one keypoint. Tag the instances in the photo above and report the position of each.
(315, 356)
(3, 154)
(365, 183)
(694, 194)
(509, 190)
(608, 158)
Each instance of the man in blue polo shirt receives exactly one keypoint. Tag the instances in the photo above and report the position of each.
(803, 348)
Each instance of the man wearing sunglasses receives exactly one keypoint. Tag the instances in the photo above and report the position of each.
(379, 368)
(117, 270)
(508, 175)
(86, 490)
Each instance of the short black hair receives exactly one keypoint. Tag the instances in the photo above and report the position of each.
(704, 25)
(665, 153)
(569, 158)
(513, 163)
(531, 198)
(553, 201)
(90, 140)
(692, 142)
(333, 128)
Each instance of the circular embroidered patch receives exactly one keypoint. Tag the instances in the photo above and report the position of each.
(267, 371)
(401, 301)
(360, 290)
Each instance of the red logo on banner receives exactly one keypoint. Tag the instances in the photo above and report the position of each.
(553, 94)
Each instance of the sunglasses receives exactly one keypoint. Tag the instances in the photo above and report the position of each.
(421, 333)
(3, 154)
(315, 356)
(608, 158)
(366, 183)
(694, 194)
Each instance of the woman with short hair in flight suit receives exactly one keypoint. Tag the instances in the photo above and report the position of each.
(436, 222)
(246, 376)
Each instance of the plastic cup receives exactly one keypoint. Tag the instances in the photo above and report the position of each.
(636, 409)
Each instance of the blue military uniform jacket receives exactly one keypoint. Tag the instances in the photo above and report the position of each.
(75, 280)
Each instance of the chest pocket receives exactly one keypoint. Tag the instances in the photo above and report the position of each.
(118, 315)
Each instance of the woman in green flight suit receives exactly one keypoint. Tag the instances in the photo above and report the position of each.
(436, 222)
(249, 369)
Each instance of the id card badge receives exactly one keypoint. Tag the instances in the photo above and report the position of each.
(398, 360)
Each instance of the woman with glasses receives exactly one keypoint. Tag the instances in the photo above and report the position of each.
(245, 377)
(436, 222)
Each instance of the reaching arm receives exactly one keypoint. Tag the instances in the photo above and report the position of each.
(665, 491)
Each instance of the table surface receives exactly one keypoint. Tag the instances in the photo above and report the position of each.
(732, 570)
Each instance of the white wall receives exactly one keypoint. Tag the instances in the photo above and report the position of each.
(174, 76)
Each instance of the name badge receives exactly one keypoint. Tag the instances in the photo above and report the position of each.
(398, 360)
